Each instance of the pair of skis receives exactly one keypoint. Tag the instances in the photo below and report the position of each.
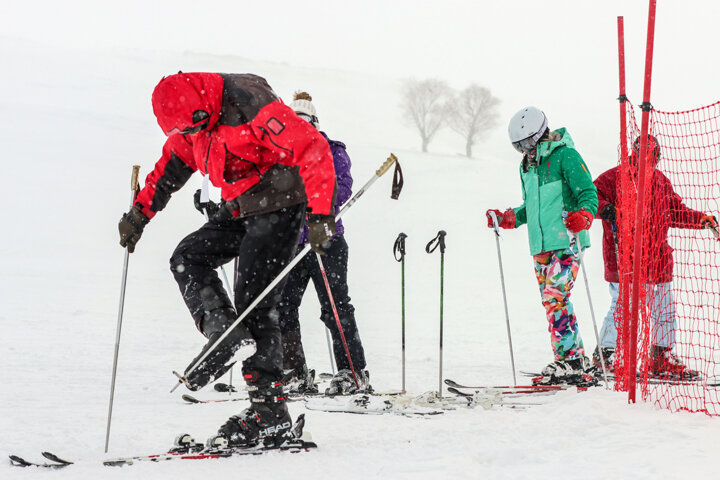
(656, 380)
(56, 462)
(186, 448)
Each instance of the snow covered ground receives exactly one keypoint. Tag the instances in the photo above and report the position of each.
(73, 124)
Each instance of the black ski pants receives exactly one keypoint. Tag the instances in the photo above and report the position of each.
(335, 261)
(263, 245)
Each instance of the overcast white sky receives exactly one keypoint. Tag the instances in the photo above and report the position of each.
(505, 45)
(559, 55)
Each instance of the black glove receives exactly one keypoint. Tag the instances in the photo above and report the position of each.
(131, 227)
(709, 221)
(209, 206)
(321, 228)
(608, 213)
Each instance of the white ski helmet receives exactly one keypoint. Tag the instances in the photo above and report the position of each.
(527, 127)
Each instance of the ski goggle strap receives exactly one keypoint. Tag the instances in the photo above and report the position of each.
(398, 182)
(399, 248)
(439, 240)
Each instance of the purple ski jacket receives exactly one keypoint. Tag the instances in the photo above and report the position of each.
(344, 183)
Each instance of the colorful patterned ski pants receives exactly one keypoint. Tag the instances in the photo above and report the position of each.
(556, 272)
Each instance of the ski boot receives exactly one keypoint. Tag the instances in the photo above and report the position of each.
(343, 383)
(300, 381)
(666, 365)
(266, 423)
(608, 354)
(218, 361)
(567, 372)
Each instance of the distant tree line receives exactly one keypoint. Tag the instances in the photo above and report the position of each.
(432, 104)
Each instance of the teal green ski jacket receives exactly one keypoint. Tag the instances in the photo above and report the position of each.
(559, 181)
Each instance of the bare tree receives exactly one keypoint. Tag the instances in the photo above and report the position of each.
(472, 113)
(425, 106)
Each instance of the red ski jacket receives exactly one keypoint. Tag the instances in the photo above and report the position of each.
(666, 209)
(234, 128)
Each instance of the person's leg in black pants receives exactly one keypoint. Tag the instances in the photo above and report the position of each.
(335, 262)
(297, 282)
(264, 244)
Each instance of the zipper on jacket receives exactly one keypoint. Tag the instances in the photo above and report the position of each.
(542, 235)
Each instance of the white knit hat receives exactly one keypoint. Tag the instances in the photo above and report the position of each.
(304, 106)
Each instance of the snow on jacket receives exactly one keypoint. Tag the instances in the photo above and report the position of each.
(342, 164)
(254, 148)
(666, 209)
(557, 182)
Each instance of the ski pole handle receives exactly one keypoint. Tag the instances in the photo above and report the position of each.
(386, 166)
(496, 226)
(134, 178)
(399, 248)
(438, 241)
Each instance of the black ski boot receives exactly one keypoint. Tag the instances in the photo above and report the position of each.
(301, 381)
(267, 422)
(608, 354)
(218, 361)
(343, 383)
(575, 371)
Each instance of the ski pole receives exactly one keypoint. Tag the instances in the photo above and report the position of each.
(337, 319)
(330, 350)
(439, 240)
(399, 253)
(205, 199)
(378, 173)
(502, 282)
(580, 257)
(133, 194)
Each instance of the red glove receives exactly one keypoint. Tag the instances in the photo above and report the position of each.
(577, 221)
(505, 220)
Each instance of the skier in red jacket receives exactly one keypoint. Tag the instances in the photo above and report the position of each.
(270, 165)
(668, 208)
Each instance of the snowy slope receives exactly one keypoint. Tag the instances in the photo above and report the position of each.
(74, 124)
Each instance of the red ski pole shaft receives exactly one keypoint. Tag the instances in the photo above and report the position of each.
(337, 319)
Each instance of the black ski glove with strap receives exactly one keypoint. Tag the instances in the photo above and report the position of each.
(210, 207)
(321, 229)
(131, 227)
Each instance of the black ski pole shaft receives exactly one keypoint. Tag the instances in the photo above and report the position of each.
(123, 283)
(439, 240)
(502, 282)
(337, 319)
(378, 173)
(399, 252)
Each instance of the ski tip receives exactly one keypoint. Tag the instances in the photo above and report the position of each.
(18, 461)
(55, 458)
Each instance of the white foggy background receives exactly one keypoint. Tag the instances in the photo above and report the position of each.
(75, 102)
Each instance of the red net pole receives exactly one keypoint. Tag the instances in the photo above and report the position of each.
(624, 288)
(637, 257)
